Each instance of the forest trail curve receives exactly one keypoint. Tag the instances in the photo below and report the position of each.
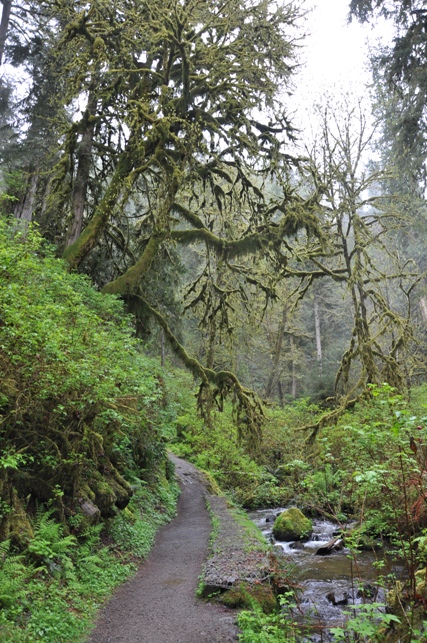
(159, 605)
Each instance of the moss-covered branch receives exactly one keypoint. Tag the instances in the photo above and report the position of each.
(188, 216)
(130, 280)
(231, 249)
(77, 251)
(330, 418)
(248, 408)
(251, 243)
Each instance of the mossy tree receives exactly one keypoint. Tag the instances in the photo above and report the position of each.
(82, 411)
(176, 121)
(365, 266)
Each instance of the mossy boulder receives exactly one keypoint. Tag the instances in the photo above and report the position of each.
(111, 492)
(15, 525)
(292, 525)
(243, 597)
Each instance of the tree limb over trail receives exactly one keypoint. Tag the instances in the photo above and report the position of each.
(172, 148)
(249, 414)
(178, 156)
(331, 417)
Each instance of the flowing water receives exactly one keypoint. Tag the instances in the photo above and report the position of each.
(330, 584)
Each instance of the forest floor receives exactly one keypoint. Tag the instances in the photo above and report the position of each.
(159, 604)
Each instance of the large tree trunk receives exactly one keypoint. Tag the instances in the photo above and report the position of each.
(280, 391)
(25, 209)
(4, 26)
(78, 251)
(129, 282)
(162, 348)
(274, 374)
(423, 307)
(294, 375)
(84, 157)
(317, 332)
(211, 345)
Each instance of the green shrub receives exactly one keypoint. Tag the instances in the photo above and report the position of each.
(277, 627)
(13, 574)
(84, 418)
(81, 407)
(51, 592)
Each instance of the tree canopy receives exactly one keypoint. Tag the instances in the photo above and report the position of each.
(170, 126)
(157, 141)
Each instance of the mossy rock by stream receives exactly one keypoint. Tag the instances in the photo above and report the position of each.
(292, 525)
(244, 595)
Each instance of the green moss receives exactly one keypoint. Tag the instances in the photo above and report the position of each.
(77, 397)
(244, 596)
(292, 525)
(15, 524)
(130, 280)
(110, 495)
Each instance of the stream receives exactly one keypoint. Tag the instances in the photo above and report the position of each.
(331, 583)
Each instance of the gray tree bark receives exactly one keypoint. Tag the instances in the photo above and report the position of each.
(24, 211)
(84, 158)
(273, 379)
(317, 332)
(4, 26)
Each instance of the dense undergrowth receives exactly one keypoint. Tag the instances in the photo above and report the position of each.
(84, 419)
(369, 467)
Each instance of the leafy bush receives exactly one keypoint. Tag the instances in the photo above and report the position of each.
(75, 574)
(80, 405)
(217, 450)
(270, 477)
(258, 627)
(139, 528)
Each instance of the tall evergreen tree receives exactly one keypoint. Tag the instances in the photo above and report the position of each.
(402, 66)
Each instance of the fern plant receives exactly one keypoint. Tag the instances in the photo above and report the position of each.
(13, 575)
(50, 546)
(13, 634)
(87, 556)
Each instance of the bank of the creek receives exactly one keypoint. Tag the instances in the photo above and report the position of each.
(330, 584)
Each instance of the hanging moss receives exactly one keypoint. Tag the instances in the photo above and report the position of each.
(216, 386)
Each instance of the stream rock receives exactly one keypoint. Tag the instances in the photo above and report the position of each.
(296, 545)
(90, 510)
(367, 592)
(292, 525)
(340, 599)
(335, 544)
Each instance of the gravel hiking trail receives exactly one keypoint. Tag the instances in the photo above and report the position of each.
(159, 604)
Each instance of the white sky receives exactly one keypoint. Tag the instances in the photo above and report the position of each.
(336, 53)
